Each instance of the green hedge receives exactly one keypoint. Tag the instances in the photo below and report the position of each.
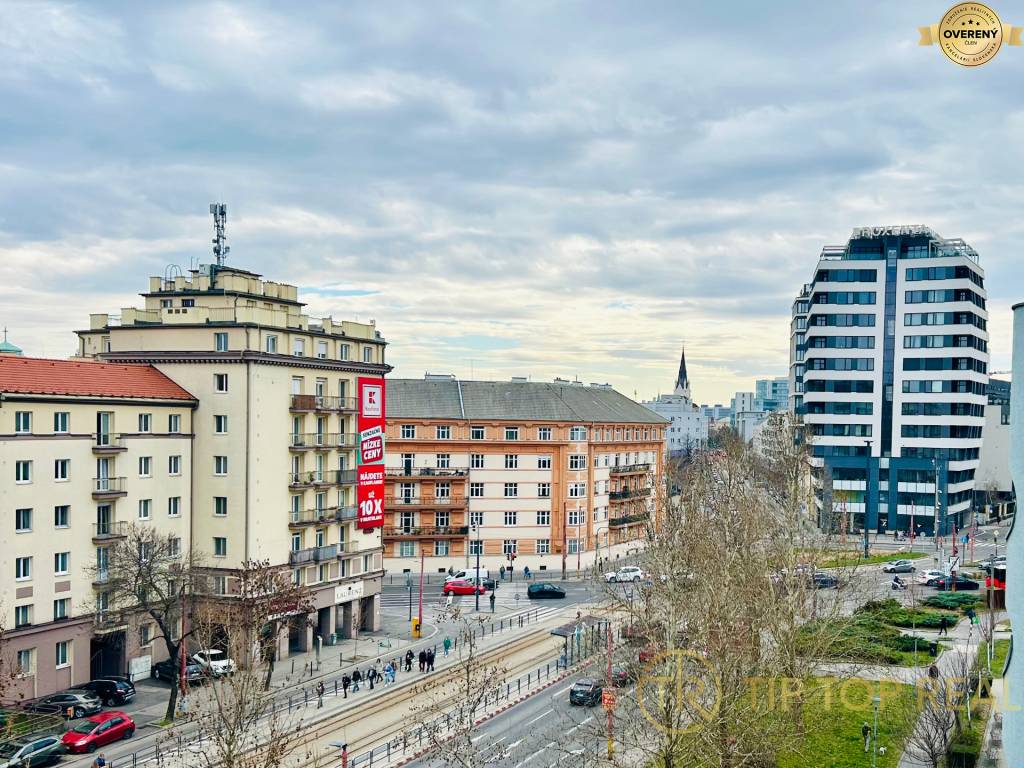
(952, 601)
(891, 611)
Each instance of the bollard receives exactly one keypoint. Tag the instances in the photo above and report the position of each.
(289, 703)
(519, 684)
(305, 698)
(293, 666)
(335, 687)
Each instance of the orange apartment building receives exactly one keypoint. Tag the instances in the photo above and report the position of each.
(530, 468)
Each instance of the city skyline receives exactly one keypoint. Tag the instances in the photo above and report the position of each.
(514, 204)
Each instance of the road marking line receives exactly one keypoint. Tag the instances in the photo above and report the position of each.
(541, 716)
(580, 725)
(539, 751)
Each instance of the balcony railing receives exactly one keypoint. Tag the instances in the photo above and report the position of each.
(628, 520)
(110, 529)
(325, 477)
(348, 548)
(346, 513)
(408, 531)
(321, 440)
(629, 469)
(106, 618)
(313, 554)
(107, 442)
(424, 501)
(629, 493)
(310, 516)
(426, 471)
(108, 486)
(322, 403)
(100, 577)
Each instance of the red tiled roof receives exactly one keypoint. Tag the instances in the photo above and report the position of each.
(84, 378)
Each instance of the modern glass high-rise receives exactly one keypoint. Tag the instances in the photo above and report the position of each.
(889, 369)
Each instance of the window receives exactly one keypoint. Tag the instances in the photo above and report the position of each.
(476, 517)
(321, 350)
(220, 382)
(442, 490)
(173, 506)
(296, 542)
(544, 433)
(572, 546)
(508, 547)
(60, 563)
(145, 507)
(444, 460)
(174, 422)
(543, 462)
(145, 422)
(578, 434)
(367, 354)
(511, 490)
(544, 517)
(344, 352)
(543, 490)
(511, 433)
(407, 549)
(145, 634)
(220, 506)
(298, 347)
(220, 585)
(511, 461)
(61, 654)
(188, 302)
(444, 432)
(408, 431)
(577, 490)
(476, 490)
(442, 519)
(61, 516)
(23, 422)
(23, 471)
(578, 461)
(476, 461)
(145, 466)
(174, 465)
(220, 546)
(174, 546)
(61, 421)
(441, 548)
(22, 568)
(22, 615)
(272, 345)
(543, 546)
(220, 465)
(26, 661)
(511, 518)
(60, 608)
(476, 433)
(576, 516)
(22, 520)
(220, 424)
(476, 547)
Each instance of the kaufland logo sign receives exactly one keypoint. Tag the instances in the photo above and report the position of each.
(371, 445)
(373, 400)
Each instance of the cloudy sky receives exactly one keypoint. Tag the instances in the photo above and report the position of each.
(521, 188)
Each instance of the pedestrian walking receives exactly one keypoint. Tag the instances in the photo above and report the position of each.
(346, 681)
(451, 571)
(357, 678)
(389, 674)
(933, 672)
(943, 626)
(865, 731)
(100, 762)
(408, 660)
(423, 660)
(447, 645)
(430, 660)
(450, 600)
(526, 573)
(379, 667)
(320, 695)
(492, 602)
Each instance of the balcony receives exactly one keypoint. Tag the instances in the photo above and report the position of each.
(313, 554)
(105, 444)
(424, 501)
(432, 532)
(346, 513)
(321, 441)
(108, 487)
(314, 478)
(617, 522)
(349, 548)
(630, 469)
(310, 516)
(100, 578)
(390, 472)
(629, 493)
(107, 620)
(322, 403)
(109, 530)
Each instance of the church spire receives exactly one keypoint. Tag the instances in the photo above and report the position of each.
(682, 380)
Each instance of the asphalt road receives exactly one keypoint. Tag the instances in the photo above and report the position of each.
(510, 596)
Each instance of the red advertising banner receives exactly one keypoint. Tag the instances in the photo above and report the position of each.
(370, 472)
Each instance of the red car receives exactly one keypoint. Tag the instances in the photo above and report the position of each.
(462, 587)
(97, 730)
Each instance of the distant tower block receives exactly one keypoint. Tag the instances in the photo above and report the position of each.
(220, 220)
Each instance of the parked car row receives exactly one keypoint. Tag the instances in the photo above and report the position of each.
(86, 735)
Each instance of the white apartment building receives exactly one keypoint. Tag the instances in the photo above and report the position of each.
(889, 368)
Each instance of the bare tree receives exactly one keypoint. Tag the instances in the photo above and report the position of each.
(937, 718)
(149, 573)
(241, 726)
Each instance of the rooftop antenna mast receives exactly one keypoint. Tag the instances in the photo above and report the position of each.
(220, 220)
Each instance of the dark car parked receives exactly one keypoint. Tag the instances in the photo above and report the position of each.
(822, 580)
(545, 591)
(77, 703)
(586, 692)
(164, 670)
(113, 692)
(31, 753)
(962, 583)
(620, 676)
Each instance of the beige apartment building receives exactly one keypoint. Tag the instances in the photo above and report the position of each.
(535, 469)
(274, 453)
(86, 448)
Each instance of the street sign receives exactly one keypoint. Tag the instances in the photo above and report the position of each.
(608, 698)
(954, 564)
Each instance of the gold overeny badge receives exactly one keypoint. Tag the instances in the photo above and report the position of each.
(970, 34)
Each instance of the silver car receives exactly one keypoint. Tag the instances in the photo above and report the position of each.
(71, 704)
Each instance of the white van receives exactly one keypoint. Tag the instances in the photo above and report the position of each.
(468, 573)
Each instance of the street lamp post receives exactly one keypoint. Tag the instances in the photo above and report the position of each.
(478, 580)
(867, 494)
(875, 701)
(565, 538)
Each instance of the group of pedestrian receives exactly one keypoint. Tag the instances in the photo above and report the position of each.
(426, 660)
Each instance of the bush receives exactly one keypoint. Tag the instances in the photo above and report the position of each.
(863, 638)
(952, 601)
(892, 612)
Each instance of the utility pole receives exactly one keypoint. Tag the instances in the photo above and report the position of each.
(610, 705)
(565, 537)
(875, 701)
(478, 581)
(422, 555)
(867, 494)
